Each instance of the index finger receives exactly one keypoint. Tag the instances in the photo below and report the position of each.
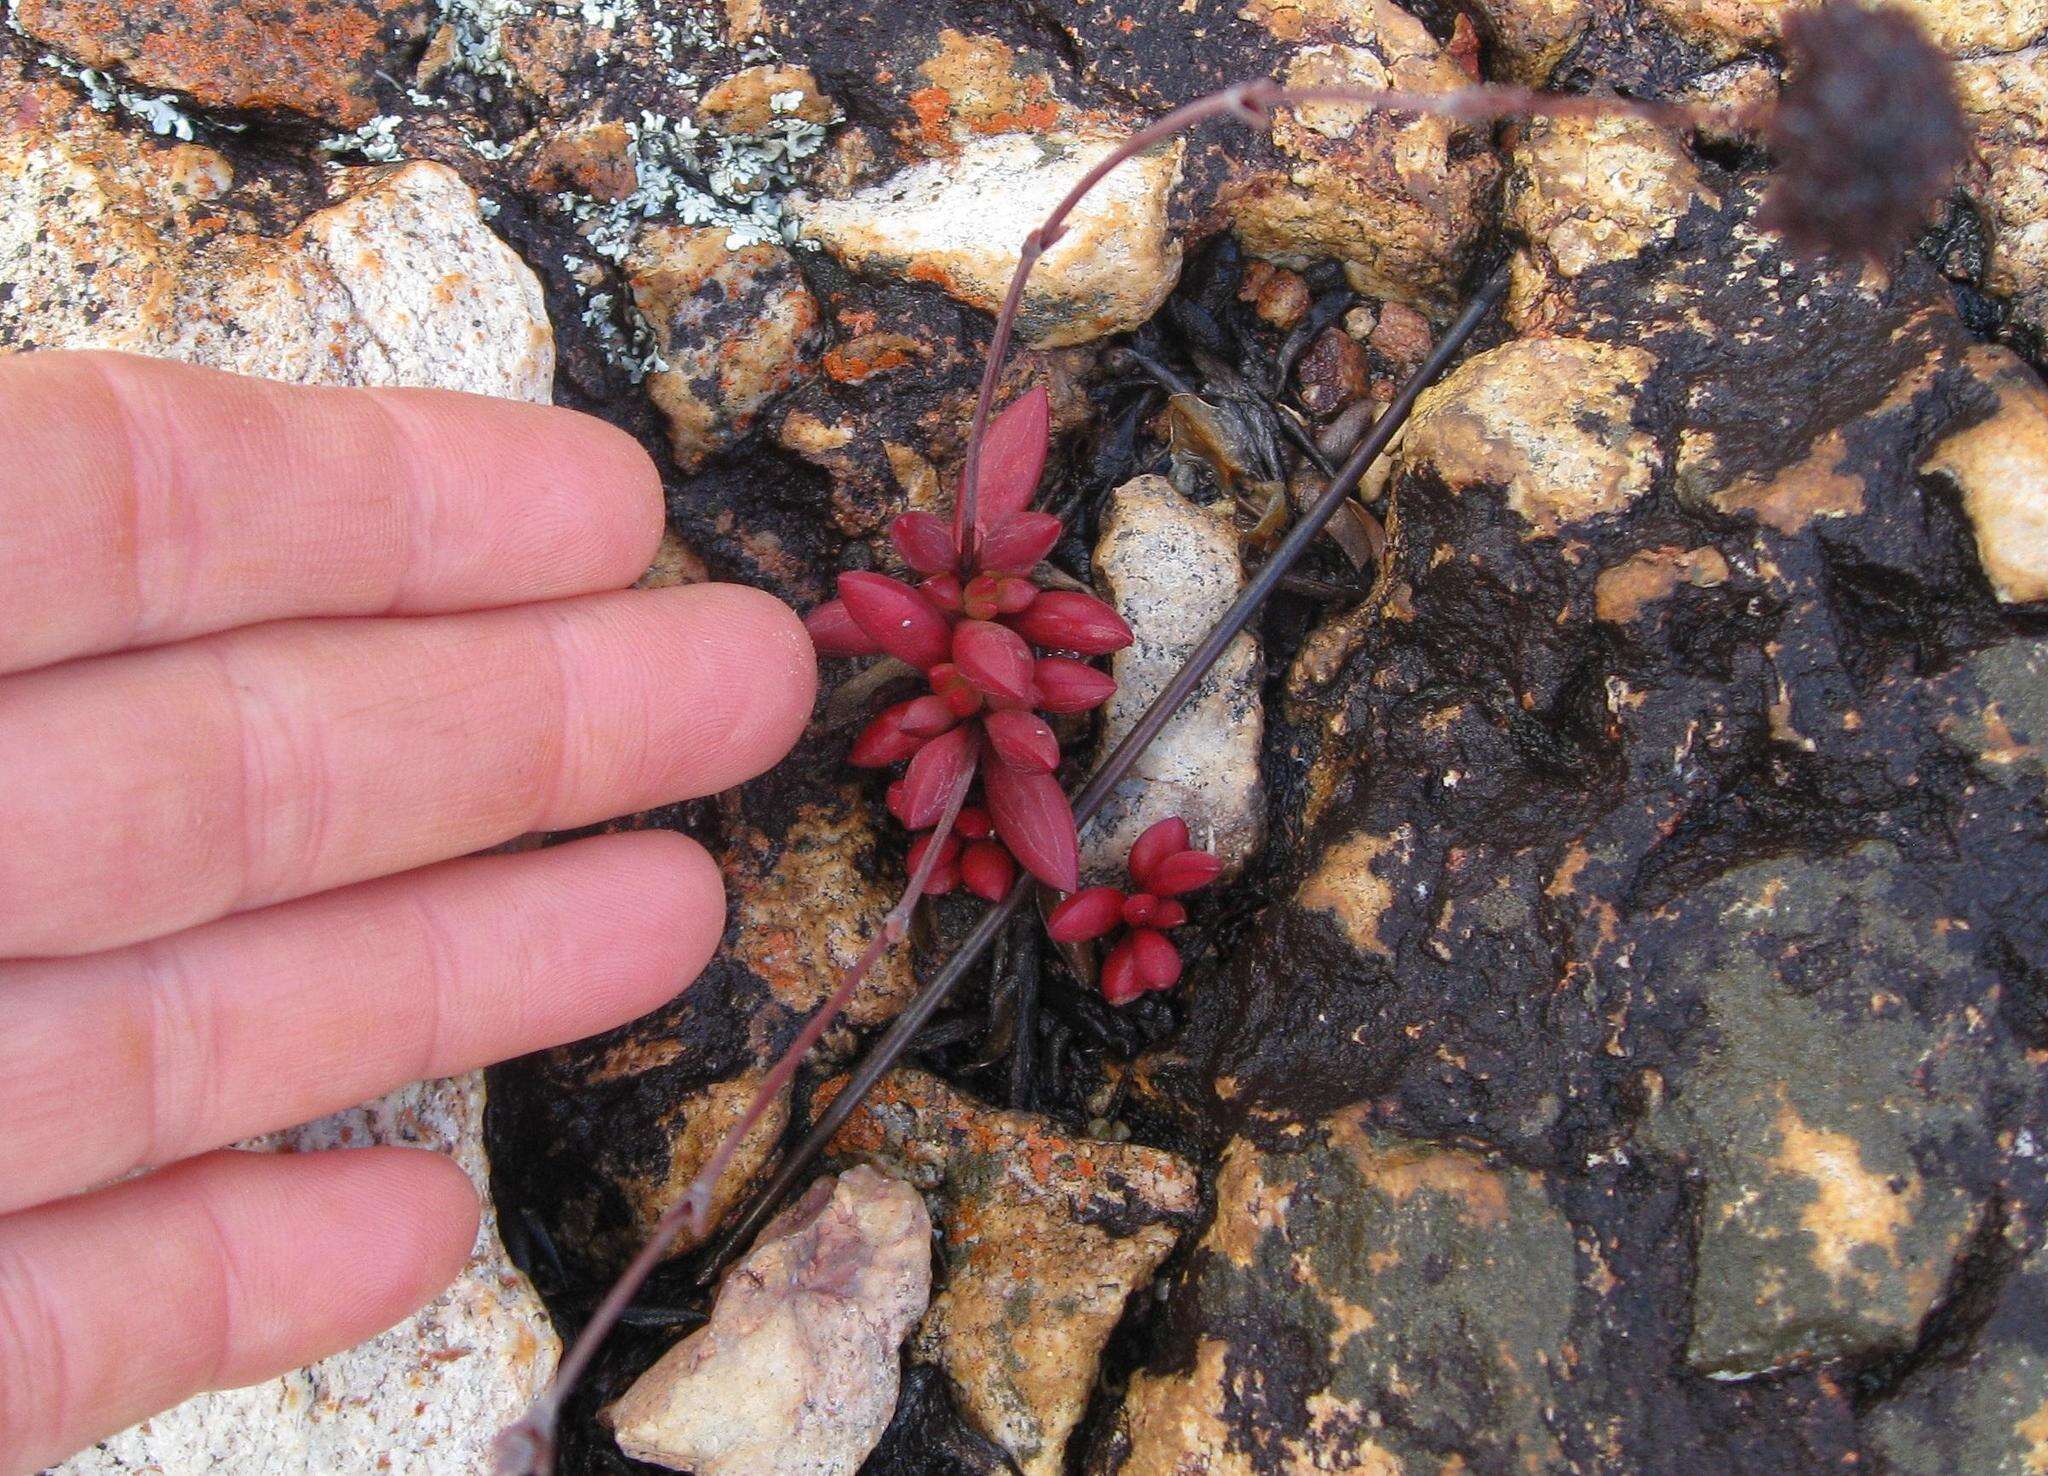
(144, 501)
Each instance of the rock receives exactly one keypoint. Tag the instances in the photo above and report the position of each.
(1832, 1108)
(959, 223)
(2000, 712)
(1281, 297)
(735, 329)
(1586, 192)
(1046, 1238)
(1987, 1413)
(108, 241)
(1401, 336)
(796, 1372)
(1499, 420)
(1532, 36)
(2006, 101)
(318, 57)
(1399, 199)
(1171, 569)
(751, 100)
(1360, 1302)
(1333, 374)
(1999, 466)
(427, 1398)
(591, 156)
(1644, 580)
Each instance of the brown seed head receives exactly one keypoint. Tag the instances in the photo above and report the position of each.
(1867, 132)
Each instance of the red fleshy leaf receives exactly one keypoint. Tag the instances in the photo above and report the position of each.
(948, 852)
(945, 591)
(897, 618)
(1140, 909)
(1012, 460)
(894, 799)
(1068, 620)
(926, 542)
(995, 659)
(1065, 685)
(1015, 544)
(1022, 740)
(1167, 838)
(1087, 914)
(988, 870)
(932, 776)
(1119, 979)
(974, 823)
(885, 741)
(1185, 872)
(834, 632)
(927, 717)
(943, 879)
(1032, 816)
(1156, 959)
(1170, 915)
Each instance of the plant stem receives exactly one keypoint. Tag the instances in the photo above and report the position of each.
(889, 1050)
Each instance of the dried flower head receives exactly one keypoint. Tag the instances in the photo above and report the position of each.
(1867, 133)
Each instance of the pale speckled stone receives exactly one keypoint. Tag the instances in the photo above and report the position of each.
(112, 241)
(1585, 193)
(424, 1399)
(1046, 1239)
(2006, 100)
(1548, 421)
(796, 1373)
(1171, 568)
(959, 223)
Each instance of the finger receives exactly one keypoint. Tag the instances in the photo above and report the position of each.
(220, 1272)
(154, 1053)
(152, 791)
(143, 501)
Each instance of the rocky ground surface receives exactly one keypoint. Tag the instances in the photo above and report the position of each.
(1619, 1045)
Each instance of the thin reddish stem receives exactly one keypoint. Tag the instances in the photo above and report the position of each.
(527, 1448)
(1252, 102)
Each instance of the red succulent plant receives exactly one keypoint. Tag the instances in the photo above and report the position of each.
(1164, 867)
(970, 625)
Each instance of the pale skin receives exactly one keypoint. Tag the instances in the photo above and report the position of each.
(275, 665)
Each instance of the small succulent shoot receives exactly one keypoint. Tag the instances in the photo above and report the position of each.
(998, 653)
(1164, 866)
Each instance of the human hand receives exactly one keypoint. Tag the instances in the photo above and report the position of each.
(269, 658)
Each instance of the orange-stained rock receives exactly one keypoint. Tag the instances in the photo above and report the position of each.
(319, 57)
(734, 329)
(1045, 1239)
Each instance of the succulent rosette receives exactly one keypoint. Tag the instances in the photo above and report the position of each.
(999, 654)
